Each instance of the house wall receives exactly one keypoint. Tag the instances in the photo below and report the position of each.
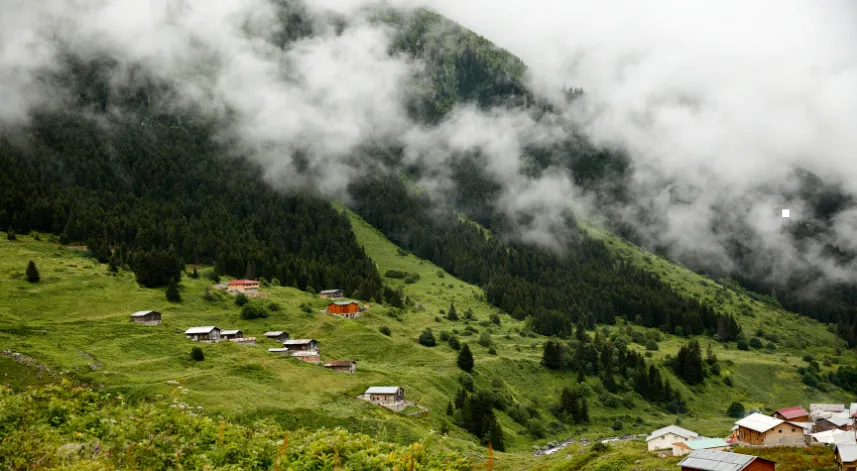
(243, 288)
(309, 347)
(344, 369)
(213, 337)
(759, 465)
(785, 435)
(335, 295)
(387, 398)
(342, 309)
(664, 442)
(147, 320)
(309, 358)
(846, 466)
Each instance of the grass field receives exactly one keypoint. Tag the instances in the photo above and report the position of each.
(76, 321)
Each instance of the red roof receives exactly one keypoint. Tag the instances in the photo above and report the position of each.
(790, 413)
(243, 282)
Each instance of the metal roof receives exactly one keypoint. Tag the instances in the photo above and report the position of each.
(344, 303)
(827, 407)
(230, 332)
(383, 390)
(281, 349)
(708, 460)
(327, 291)
(704, 443)
(759, 422)
(298, 341)
(275, 333)
(673, 429)
(201, 330)
(340, 363)
(143, 313)
(847, 452)
(790, 413)
(839, 420)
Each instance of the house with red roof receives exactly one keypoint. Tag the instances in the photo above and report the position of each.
(242, 286)
(792, 414)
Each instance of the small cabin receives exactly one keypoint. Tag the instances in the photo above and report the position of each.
(301, 345)
(342, 366)
(762, 430)
(793, 414)
(243, 286)
(347, 309)
(385, 394)
(307, 356)
(834, 422)
(332, 294)
(277, 335)
(146, 317)
(231, 334)
(709, 460)
(208, 333)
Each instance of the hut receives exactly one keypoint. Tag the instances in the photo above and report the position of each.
(146, 317)
(231, 334)
(301, 345)
(208, 333)
(247, 287)
(244, 340)
(342, 366)
(307, 356)
(385, 395)
(277, 335)
(281, 351)
(331, 294)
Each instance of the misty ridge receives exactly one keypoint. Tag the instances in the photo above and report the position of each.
(697, 125)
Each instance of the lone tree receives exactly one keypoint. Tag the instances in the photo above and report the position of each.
(173, 294)
(465, 359)
(735, 410)
(196, 354)
(32, 272)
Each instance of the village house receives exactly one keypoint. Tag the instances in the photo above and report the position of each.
(388, 396)
(346, 309)
(306, 356)
(792, 414)
(342, 366)
(708, 460)
(146, 317)
(301, 345)
(846, 456)
(834, 422)
(762, 430)
(248, 287)
(231, 334)
(208, 333)
(664, 438)
(714, 444)
(277, 335)
(332, 294)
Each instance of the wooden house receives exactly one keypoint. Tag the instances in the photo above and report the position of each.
(208, 333)
(301, 345)
(277, 335)
(846, 456)
(243, 286)
(762, 430)
(307, 356)
(708, 460)
(834, 422)
(714, 444)
(347, 309)
(664, 438)
(231, 334)
(342, 366)
(146, 317)
(385, 395)
(332, 294)
(792, 414)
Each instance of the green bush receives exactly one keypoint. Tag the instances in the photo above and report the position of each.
(196, 354)
(427, 338)
(735, 410)
(385, 330)
(241, 300)
(742, 345)
(252, 311)
(756, 343)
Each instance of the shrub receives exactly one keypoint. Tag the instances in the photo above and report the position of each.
(241, 299)
(397, 274)
(453, 342)
(33, 272)
(306, 308)
(770, 346)
(252, 311)
(10, 235)
(808, 358)
(742, 345)
(485, 339)
(465, 359)
(536, 428)
(617, 425)
(492, 350)
(274, 307)
(735, 410)
(466, 381)
(494, 318)
(194, 274)
(599, 447)
(427, 338)
(385, 330)
(727, 381)
(196, 354)
(756, 343)
(651, 345)
(412, 278)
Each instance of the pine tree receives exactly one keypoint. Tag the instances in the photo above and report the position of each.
(465, 359)
(173, 294)
(495, 437)
(32, 272)
(452, 314)
(427, 338)
(553, 356)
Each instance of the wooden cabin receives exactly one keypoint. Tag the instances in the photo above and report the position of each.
(792, 414)
(664, 438)
(385, 395)
(834, 422)
(277, 335)
(307, 356)
(146, 317)
(347, 309)
(208, 333)
(243, 286)
(301, 345)
(762, 430)
(708, 460)
(332, 294)
(342, 366)
(231, 334)
(846, 456)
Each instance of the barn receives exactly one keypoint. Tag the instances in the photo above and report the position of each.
(385, 395)
(762, 430)
(307, 356)
(231, 334)
(277, 335)
(342, 366)
(207, 333)
(301, 345)
(146, 317)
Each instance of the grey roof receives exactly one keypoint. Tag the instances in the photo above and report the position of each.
(278, 349)
(230, 332)
(838, 420)
(297, 342)
(143, 313)
(201, 330)
(327, 291)
(759, 422)
(673, 429)
(383, 390)
(708, 460)
(847, 452)
(345, 303)
(827, 407)
(275, 333)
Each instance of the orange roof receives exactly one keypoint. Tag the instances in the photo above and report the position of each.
(243, 282)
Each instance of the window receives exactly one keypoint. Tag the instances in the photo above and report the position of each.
(780, 431)
(793, 429)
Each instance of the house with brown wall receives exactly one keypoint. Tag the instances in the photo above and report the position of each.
(342, 366)
(792, 414)
(846, 456)
(762, 430)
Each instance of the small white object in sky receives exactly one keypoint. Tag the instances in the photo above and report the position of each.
(785, 213)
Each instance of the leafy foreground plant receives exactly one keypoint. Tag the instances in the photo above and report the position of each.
(72, 427)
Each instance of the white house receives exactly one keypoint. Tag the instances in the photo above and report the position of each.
(664, 438)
